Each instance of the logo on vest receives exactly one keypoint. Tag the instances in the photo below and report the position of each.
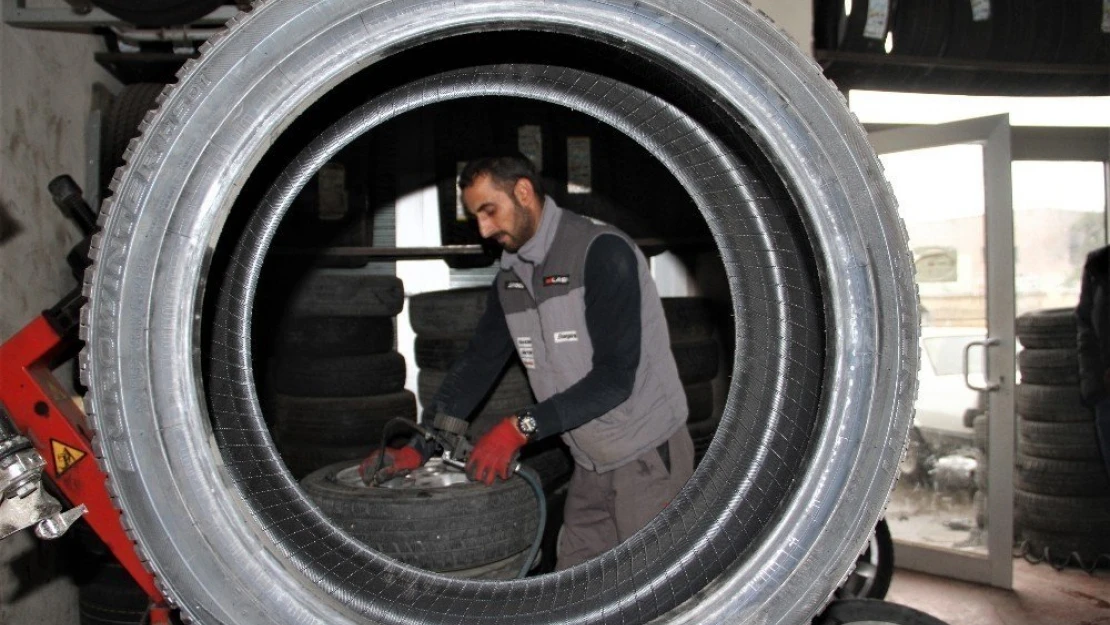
(566, 337)
(514, 284)
(527, 354)
(556, 280)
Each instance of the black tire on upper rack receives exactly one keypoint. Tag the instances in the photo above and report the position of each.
(159, 12)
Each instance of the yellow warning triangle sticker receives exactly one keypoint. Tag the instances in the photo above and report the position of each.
(65, 457)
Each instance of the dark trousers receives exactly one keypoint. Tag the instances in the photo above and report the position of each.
(1102, 426)
(604, 509)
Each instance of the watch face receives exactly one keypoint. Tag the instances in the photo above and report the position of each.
(527, 424)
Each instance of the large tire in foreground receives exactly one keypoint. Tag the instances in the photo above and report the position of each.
(826, 315)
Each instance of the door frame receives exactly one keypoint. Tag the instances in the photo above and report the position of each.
(993, 134)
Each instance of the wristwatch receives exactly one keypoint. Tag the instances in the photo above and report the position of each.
(526, 423)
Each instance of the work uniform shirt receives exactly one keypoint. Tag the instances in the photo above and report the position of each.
(578, 306)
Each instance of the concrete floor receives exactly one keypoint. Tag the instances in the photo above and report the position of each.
(1041, 596)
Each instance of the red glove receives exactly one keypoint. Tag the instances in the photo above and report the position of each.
(393, 460)
(494, 452)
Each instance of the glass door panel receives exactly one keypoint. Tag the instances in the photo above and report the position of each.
(950, 512)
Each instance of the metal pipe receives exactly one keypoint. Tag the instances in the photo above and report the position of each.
(177, 33)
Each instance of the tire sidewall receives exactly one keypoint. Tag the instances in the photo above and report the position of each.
(215, 126)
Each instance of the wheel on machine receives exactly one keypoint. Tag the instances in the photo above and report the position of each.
(436, 525)
(824, 307)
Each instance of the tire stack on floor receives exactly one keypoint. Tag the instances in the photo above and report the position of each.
(697, 354)
(1062, 495)
(334, 377)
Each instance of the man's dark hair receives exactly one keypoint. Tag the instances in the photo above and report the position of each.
(504, 171)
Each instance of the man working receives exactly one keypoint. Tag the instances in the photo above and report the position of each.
(575, 300)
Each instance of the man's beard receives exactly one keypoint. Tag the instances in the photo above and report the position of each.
(524, 223)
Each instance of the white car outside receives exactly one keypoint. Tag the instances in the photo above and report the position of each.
(943, 397)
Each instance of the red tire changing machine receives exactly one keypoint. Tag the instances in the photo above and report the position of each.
(43, 432)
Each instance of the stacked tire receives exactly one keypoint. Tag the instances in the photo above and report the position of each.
(1062, 494)
(334, 377)
(444, 322)
(697, 352)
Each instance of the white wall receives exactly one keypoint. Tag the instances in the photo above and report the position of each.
(793, 16)
(45, 94)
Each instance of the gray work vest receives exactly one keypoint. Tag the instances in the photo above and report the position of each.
(546, 314)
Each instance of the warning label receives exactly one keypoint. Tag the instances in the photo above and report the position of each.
(65, 457)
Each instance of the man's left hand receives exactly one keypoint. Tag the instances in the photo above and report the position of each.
(493, 454)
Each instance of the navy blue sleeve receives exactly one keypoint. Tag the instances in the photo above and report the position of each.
(474, 373)
(612, 294)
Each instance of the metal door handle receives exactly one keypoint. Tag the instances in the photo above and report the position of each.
(985, 344)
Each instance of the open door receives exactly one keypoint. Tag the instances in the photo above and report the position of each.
(952, 511)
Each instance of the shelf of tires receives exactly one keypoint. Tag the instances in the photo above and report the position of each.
(1062, 494)
(334, 377)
